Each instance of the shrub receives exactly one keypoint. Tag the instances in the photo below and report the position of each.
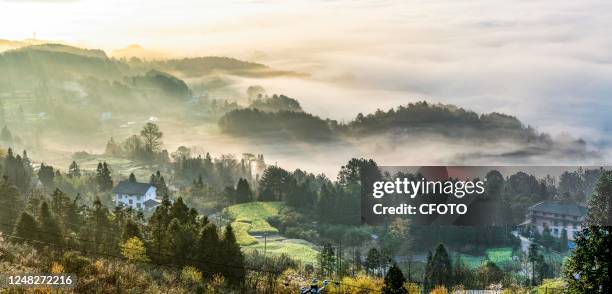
(191, 276)
(73, 262)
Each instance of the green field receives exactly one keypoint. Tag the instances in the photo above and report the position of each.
(497, 255)
(249, 221)
(295, 248)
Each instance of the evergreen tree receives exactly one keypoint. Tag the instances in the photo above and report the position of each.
(327, 260)
(537, 263)
(50, 230)
(180, 211)
(26, 227)
(439, 271)
(73, 170)
(372, 261)
(588, 269)
(394, 281)
(274, 184)
(59, 204)
(73, 219)
(180, 241)
(10, 204)
(157, 228)
(132, 178)
(46, 175)
(17, 170)
(208, 247)
(158, 181)
(130, 229)
(243, 191)
(103, 177)
(233, 257)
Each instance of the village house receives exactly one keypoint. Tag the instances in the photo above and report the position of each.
(139, 196)
(556, 215)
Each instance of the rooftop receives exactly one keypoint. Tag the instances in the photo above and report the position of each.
(559, 207)
(132, 188)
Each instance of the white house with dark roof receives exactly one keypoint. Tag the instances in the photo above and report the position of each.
(140, 196)
(556, 215)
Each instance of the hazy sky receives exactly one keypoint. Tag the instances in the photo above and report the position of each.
(547, 62)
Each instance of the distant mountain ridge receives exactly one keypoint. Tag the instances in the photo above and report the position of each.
(65, 59)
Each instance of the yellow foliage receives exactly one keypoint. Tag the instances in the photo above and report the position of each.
(99, 265)
(134, 250)
(216, 283)
(190, 275)
(57, 268)
(412, 287)
(439, 290)
(359, 284)
(550, 285)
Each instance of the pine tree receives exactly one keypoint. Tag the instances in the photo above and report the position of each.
(158, 181)
(327, 260)
(46, 175)
(156, 229)
(26, 227)
(130, 229)
(234, 258)
(103, 177)
(59, 204)
(10, 204)
(439, 270)
(588, 269)
(208, 247)
(50, 230)
(394, 281)
(132, 178)
(180, 211)
(372, 261)
(536, 259)
(243, 191)
(180, 241)
(73, 170)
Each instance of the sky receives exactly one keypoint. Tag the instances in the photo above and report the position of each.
(547, 62)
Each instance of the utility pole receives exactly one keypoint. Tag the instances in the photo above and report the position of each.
(265, 245)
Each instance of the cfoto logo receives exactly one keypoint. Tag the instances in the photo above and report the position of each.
(442, 208)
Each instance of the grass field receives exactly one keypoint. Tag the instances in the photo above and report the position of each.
(497, 255)
(500, 255)
(295, 248)
(250, 220)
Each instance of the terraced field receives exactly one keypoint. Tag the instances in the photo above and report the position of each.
(250, 222)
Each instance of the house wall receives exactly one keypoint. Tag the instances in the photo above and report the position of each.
(556, 223)
(135, 201)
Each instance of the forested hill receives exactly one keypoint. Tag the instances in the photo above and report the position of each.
(198, 66)
(30, 66)
(413, 118)
(444, 119)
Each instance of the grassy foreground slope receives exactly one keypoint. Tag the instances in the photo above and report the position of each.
(250, 223)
